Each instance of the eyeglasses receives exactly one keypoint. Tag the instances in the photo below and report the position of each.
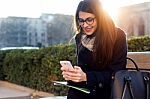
(88, 21)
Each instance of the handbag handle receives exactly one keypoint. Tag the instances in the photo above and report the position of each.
(146, 80)
(127, 84)
(133, 63)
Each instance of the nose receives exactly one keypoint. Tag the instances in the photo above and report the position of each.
(85, 24)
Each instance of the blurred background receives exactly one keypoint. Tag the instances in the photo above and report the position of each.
(42, 23)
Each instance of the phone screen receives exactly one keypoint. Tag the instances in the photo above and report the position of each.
(66, 63)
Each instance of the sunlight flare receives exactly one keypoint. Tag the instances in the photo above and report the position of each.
(111, 8)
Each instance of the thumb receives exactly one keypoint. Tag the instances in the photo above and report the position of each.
(77, 67)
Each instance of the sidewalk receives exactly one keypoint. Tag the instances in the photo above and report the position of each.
(8, 93)
(57, 97)
(13, 91)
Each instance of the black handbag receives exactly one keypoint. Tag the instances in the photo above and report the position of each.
(131, 83)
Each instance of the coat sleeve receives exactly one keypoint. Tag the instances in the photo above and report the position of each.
(103, 78)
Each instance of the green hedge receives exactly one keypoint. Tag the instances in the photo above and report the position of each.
(2, 56)
(139, 44)
(37, 68)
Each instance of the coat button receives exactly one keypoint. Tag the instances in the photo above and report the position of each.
(94, 89)
(100, 85)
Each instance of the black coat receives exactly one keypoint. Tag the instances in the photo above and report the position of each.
(98, 80)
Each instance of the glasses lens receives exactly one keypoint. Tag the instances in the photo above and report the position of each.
(81, 21)
(89, 21)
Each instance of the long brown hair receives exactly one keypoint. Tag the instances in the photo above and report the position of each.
(105, 33)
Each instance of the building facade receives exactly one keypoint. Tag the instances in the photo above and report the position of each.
(135, 19)
(36, 32)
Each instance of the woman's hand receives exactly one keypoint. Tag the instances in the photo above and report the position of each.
(76, 74)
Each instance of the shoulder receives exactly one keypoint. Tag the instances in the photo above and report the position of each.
(121, 39)
(121, 36)
(78, 38)
(120, 33)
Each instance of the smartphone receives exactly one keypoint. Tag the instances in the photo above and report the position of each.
(66, 63)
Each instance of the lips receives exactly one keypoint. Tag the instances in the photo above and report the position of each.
(88, 29)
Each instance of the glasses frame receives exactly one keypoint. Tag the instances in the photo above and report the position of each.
(88, 21)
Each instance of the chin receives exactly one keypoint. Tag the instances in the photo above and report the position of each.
(89, 33)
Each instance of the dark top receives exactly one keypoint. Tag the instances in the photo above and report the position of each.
(98, 80)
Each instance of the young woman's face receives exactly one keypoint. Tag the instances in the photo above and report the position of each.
(88, 22)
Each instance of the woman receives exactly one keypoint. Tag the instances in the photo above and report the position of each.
(101, 51)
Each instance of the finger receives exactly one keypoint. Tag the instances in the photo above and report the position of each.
(76, 80)
(65, 78)
(64, 73)
(64, 68)
(77, 68)
(69, 75)
(74, 77)
(74, 74)
(71, 69)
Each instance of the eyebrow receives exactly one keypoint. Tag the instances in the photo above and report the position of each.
(86, 18)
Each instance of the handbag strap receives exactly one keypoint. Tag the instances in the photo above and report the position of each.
(146, 79)
(127, 84)
(133, 63)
